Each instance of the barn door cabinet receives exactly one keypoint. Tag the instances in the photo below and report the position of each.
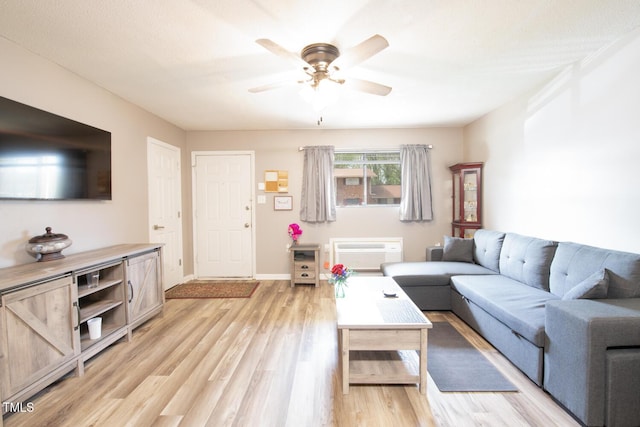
(38, 337)
(45, 307)
(144, 284)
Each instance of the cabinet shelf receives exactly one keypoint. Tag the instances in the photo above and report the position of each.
(86, 342)
(84, 290)
(95, 309)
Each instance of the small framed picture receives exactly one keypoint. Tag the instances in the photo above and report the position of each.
(282, 203)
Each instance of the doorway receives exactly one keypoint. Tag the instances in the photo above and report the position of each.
(223, 214)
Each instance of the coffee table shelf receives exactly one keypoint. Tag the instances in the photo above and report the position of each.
(390, 367)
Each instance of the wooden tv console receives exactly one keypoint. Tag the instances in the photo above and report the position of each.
(45, 306)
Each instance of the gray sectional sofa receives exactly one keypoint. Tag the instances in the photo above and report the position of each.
(566, 314)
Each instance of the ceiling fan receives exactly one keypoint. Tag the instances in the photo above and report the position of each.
(322, 62)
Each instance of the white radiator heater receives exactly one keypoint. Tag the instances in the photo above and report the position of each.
(365, 254)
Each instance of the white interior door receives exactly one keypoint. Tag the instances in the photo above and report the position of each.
(223, 214)
(165, 205)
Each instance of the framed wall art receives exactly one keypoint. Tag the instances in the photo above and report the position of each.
(276, 181)
(282, 203)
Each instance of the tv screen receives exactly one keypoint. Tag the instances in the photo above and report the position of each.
(44, 156)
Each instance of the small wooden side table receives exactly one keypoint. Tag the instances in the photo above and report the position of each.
(305, 264)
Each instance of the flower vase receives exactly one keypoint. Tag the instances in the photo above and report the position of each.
(339, 289)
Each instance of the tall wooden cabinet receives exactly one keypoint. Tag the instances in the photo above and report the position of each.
(45, 308)
(467, 199)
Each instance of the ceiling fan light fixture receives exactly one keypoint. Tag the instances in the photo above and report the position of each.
(320, 94)
(321, 90)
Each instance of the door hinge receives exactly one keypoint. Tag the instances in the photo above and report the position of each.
(179, 214)
(180, 262)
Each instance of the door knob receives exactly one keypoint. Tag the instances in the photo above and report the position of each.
(247, 225)
(158, 227)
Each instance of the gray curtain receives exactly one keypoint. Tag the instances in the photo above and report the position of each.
(318, 203)
(415, 204)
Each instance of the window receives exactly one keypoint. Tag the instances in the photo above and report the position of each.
(352, 181)
(367, 178)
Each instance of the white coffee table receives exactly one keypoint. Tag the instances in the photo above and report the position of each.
(370, 322)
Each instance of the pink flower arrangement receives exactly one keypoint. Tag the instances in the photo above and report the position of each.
(340, 274)
(294, 232)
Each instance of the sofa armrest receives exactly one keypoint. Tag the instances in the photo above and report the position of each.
(578, 334)
(434, 253)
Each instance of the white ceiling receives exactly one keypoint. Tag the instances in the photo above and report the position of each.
(192, 61)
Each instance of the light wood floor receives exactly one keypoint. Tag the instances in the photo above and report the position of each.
(270, 360)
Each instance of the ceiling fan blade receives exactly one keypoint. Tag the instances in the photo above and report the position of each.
(278, 50)
(368, 87)
(361, 52)
(271, 86)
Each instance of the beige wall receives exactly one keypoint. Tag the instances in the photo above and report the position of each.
(279, 150)
(562, 162)
(29, 79)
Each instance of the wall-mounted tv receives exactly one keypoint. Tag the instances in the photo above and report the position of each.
(44, 156)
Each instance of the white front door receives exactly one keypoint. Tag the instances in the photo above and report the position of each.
(165, 206)
(223, 214)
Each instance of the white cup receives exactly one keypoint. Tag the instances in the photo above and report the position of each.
(95, 327)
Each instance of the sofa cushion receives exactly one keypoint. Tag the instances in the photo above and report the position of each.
(519, 307)
(574, 262)
(457, 249)
(527, 259)
(434, 273)
(593, 287)
(487, 247)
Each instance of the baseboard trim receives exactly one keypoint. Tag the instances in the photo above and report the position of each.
(323, 276)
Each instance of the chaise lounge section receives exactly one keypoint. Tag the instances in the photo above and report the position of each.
(567, 315)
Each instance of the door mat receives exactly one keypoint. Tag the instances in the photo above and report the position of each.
(212, 289)
(456, 365)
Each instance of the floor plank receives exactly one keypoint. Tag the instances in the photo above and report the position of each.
(270, 360)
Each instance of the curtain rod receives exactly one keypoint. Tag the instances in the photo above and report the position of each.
(429, 146)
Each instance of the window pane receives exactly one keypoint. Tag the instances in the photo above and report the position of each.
(383, 157)
(348, 157)
(349, 185)
(385, 186)
(367, 178)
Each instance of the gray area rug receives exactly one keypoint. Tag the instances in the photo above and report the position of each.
(456, 365)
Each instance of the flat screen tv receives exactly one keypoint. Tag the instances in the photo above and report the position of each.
(44, 156)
